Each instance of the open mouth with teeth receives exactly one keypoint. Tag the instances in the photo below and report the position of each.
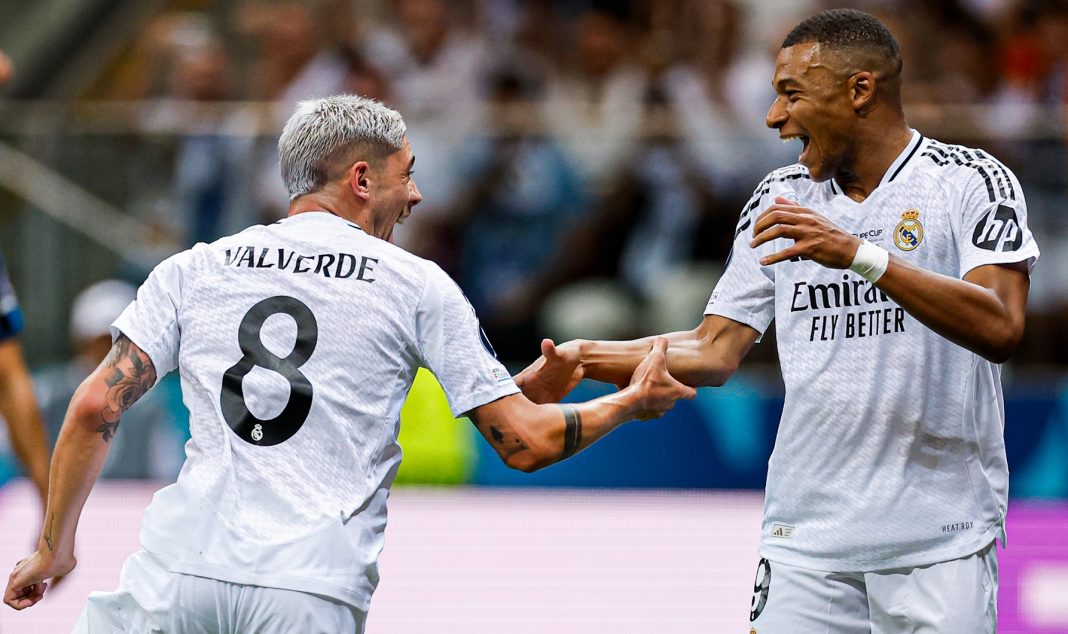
(804, 144)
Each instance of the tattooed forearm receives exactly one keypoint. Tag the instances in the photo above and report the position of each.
(507, 443)
(132, 374)
(48, 533)
(572, 429)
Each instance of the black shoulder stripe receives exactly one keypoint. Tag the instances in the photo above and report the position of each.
(744, 224)
(763, 188)
(942, 158)
(1002, 169)
(778, 176)
(974, 156)
(992, 171)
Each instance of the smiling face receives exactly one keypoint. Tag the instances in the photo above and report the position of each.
(814, 103)
(392, 191)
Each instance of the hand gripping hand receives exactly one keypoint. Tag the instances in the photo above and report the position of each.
(655, 388)
(553, 375)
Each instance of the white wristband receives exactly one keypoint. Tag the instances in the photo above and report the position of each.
(870, 262)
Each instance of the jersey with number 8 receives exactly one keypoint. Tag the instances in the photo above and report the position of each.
(296, 344)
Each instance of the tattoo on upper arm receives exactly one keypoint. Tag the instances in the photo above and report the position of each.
(132, 374)
(572, 429)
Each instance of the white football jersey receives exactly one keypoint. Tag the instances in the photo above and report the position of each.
(890, 451)
(297, 343)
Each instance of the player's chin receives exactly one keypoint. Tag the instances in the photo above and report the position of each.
(818, 172)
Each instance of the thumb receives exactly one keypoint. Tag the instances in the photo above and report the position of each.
(660, 346)
(783, 200)
(548, 348)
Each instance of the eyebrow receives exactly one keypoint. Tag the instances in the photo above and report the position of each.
(785, 82)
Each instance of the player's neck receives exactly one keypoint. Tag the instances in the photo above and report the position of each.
(873, 157)
(313, 203)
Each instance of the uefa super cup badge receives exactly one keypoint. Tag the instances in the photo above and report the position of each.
(908, 234)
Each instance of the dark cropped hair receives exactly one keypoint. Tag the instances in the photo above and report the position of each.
(845, 29)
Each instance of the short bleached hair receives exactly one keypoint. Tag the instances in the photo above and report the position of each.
(324, 135)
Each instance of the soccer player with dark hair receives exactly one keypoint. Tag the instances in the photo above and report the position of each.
(897, 268)
(297, 343)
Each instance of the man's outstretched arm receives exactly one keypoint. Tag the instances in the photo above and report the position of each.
(91, 422)
(529, 436)
(19, 408)
(705, 356)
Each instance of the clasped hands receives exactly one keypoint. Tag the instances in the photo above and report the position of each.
(550, 378)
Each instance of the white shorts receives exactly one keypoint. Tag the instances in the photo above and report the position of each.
(948, 597)
(151, 599)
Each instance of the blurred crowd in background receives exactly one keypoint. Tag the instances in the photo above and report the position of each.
(583, 162)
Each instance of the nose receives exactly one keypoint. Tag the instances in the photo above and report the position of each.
(414, 197)
(776, 117)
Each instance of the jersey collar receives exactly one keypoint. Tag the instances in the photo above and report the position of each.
(320, 214)
(902, 161)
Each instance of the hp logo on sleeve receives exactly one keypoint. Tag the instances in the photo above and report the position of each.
(999, 230)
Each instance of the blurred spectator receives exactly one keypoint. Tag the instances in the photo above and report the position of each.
(594, 104)
(637, 245)
(720, 94)
(293, 59)
(210, 160)
(958, 73)
(520, 198)
(145, 71)
(150, 444)
(191, 177)
(302, 51)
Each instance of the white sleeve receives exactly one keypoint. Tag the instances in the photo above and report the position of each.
(151, 320)
(994, 220)
(746, 290)
(453, 347)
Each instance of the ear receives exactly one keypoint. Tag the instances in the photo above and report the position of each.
(862, 90)
(357, 179)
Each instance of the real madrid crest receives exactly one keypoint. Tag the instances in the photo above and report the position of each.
(908, 234)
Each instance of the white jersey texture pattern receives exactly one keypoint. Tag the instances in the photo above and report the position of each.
(297, 343)
(890, 450)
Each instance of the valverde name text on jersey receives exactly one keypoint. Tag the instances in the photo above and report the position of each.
(336, 265)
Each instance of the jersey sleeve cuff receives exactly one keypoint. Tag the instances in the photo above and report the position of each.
(758, 323)
(1030, 257)
(142, 341)
(461, 407)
